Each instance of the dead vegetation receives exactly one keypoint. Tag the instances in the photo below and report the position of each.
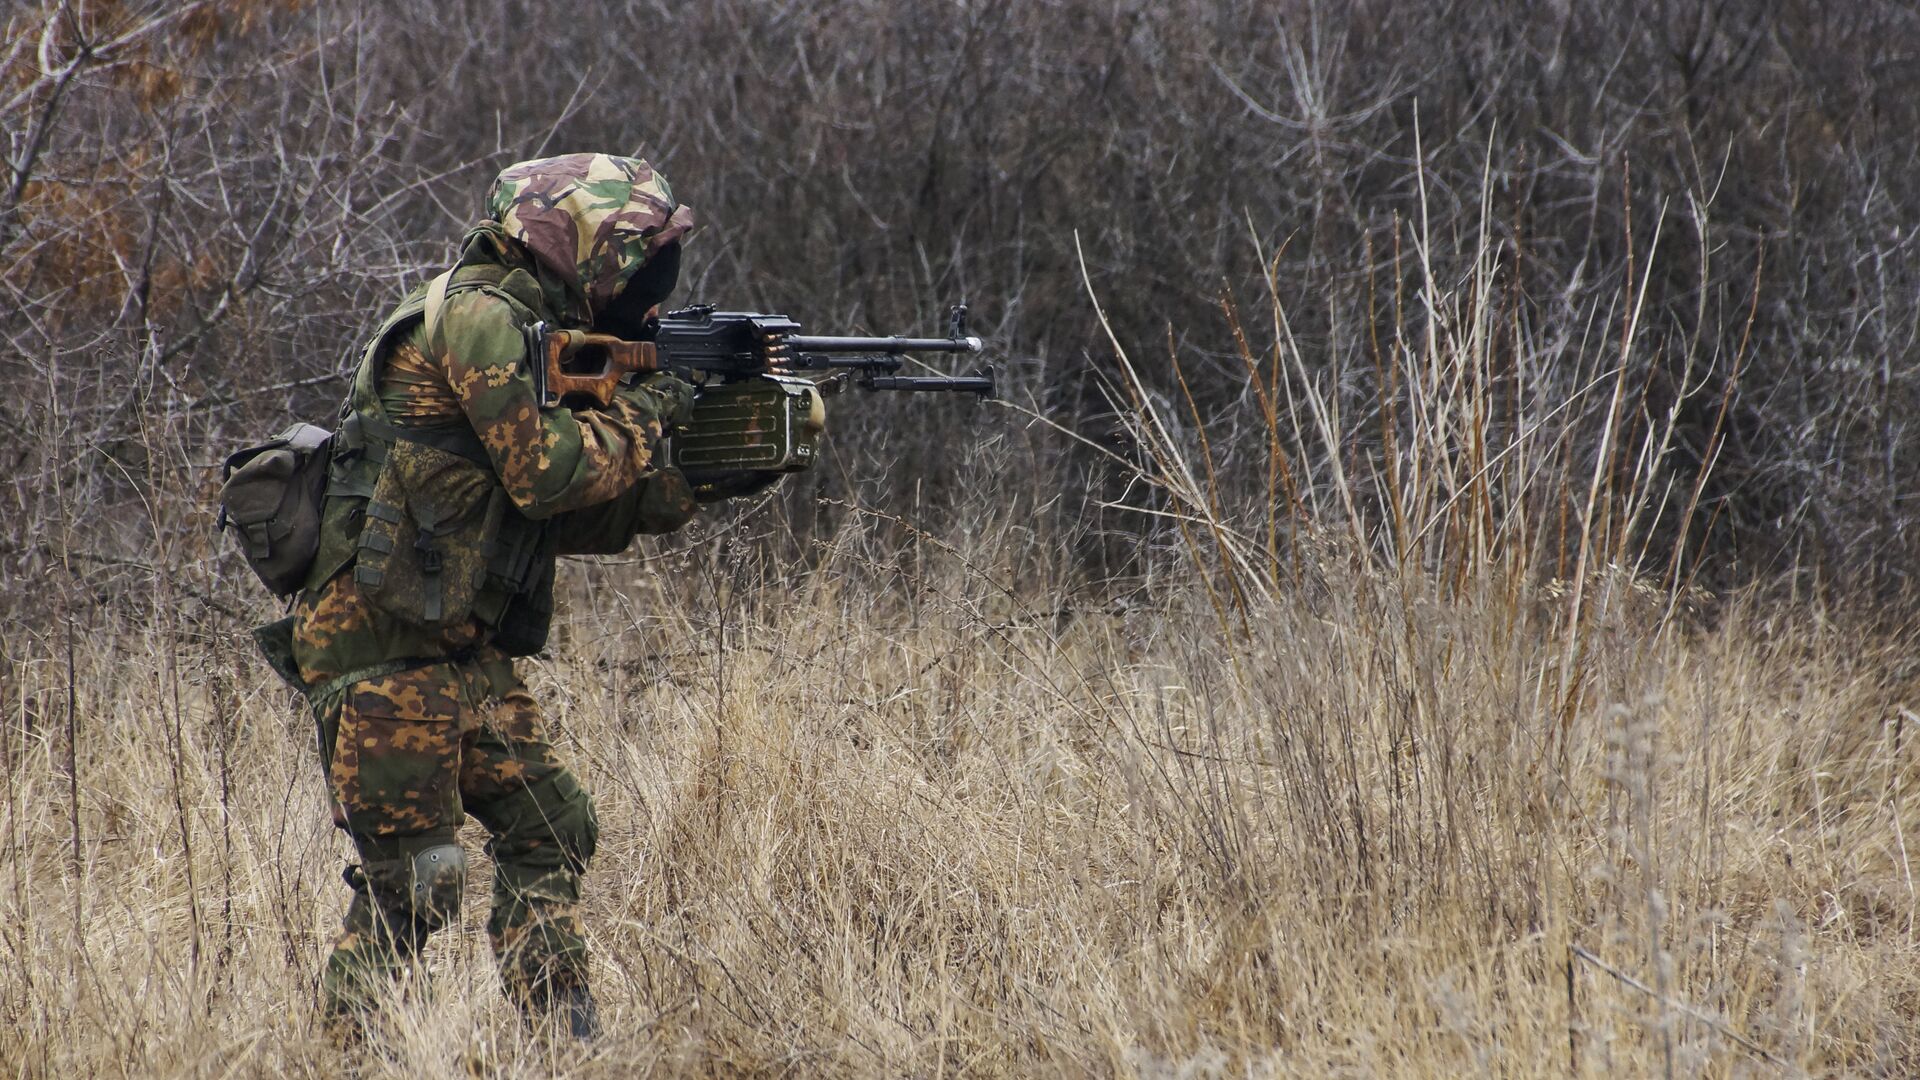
(893, 817)
(1432, 604)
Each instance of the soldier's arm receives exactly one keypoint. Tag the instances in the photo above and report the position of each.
(660, 503)
(549, 460)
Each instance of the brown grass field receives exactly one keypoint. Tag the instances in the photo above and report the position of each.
(1293, 804)
(936, 829)
(1435, 598)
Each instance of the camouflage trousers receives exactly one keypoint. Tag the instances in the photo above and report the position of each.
(407, 756)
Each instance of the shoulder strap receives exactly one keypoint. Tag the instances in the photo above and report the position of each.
(363, 395)
(366, 432)
(436, 299)
(371, 434)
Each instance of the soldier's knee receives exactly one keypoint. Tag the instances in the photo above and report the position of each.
(418, 883)
(583, 835)
(438, 876)
(571, 825)
(548, 824)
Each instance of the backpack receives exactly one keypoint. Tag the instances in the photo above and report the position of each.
(272, 493)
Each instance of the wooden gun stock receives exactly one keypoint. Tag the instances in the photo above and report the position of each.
(573, 363)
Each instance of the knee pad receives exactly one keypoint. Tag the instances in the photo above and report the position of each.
(415, 891)
(437, 876)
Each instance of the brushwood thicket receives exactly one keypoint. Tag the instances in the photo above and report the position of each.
(1432, 598)
(208, 205)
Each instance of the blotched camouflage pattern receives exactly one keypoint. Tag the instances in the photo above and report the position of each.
(408, 756)
(416, 390)
(395, 767)
(548, 460)
(583, 464)
(338, 629)
(435, 724)
(593, 219)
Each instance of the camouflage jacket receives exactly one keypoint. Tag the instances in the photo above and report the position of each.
(564, 235)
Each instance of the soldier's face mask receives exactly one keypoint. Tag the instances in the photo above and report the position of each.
(627, 317)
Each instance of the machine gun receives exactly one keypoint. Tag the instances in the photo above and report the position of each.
(752, 412)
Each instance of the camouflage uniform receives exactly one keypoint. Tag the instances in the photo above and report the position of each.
(451, 492)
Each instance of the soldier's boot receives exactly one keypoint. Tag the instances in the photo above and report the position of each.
(398, 902)
(568, 1010)
(540, 947)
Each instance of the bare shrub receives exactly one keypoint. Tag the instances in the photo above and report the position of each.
(209, 203)
(1324, 661)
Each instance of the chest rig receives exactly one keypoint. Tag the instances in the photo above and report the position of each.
(419, 514)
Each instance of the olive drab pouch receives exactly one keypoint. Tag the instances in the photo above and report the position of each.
(430, 533)
(270, 496)
(528, 614)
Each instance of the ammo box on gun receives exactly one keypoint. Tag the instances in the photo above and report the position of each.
(770, 423)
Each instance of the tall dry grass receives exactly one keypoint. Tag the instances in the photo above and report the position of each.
(1357, 772)
(894, 820)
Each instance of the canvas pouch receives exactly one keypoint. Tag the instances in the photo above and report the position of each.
(430, 531)
(270, 497)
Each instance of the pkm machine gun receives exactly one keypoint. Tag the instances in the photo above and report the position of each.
(759, 404)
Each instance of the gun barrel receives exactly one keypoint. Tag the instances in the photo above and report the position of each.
(890, 345)
(969, 384)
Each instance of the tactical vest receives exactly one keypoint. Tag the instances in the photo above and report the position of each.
(418, 512)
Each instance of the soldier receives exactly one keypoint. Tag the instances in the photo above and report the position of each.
(452, 490)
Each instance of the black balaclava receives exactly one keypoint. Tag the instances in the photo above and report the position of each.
(626, 316)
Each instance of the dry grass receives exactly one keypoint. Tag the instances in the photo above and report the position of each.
(892, 820)
(1332, 700)
(1416, 765)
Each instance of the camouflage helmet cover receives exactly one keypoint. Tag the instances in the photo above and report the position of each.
(591, 219)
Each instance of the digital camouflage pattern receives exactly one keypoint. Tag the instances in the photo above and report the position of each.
(593, 219)
(338, 628)
(428, 500)
(438, 724)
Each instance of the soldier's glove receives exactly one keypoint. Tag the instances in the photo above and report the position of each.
(733, 485)
(666, 502)
(661, 396)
